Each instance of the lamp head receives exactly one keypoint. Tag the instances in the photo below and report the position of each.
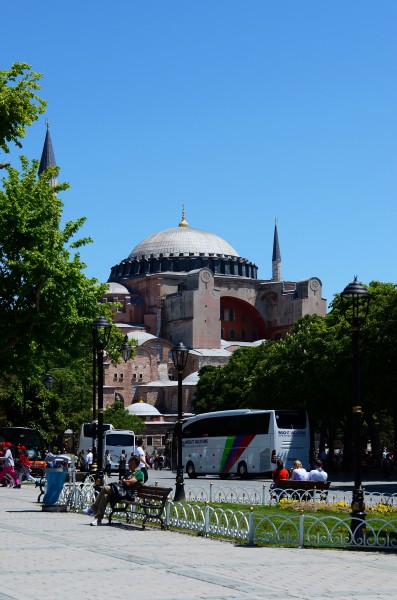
(179, 355)
(355, 302)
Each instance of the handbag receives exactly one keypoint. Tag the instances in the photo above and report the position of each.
(125, 493)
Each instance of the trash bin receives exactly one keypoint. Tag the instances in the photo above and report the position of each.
(55, 479)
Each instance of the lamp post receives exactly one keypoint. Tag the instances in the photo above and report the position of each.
(179, 355)
(48, 381)
(355, 304)
(101, 329)
(126, 349)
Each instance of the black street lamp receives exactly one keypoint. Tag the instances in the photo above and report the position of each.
(48, 381)
(101, 329)
(179, 355)
(355, 304)
(126, 349)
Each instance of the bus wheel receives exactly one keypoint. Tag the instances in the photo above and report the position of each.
(190, 470)
(242, 470)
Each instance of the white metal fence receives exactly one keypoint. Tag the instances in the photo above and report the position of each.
(306, 529)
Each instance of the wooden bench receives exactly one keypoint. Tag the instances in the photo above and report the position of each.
(300, 490)
(150, 498)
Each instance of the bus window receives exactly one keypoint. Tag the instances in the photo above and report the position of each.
(122, 440)
(290, 419)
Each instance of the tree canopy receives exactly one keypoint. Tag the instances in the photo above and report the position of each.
(120, 418)
(20, 105)
(311, 368)
(47, 303)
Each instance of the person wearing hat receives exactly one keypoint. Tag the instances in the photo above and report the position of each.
(25, 465)
(9, 465)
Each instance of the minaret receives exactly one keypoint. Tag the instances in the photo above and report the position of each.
(183, 223)
(48, 157)
(276, 258)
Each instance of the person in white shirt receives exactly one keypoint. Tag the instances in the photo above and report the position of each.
(317, 474)
(88, 459)
(143, 465)
(298, 472)
(9, 465)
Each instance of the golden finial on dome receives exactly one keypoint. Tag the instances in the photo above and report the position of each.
(183, 223)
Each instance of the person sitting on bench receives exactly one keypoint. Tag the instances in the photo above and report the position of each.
(108, 494)
(317, 474)
(298, 473)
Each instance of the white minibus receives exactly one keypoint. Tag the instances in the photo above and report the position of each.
(114, 440)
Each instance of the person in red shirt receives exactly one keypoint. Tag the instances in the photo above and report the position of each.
(25, 465)
(279, 472)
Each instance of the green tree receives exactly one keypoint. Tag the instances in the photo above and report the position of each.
(120, 418)
(47, 304)
(20, 105)
(311, 368)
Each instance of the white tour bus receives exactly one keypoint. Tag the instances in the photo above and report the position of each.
(114, 440)
(244, 442)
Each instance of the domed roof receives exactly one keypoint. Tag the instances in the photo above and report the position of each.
(182, 249)
(142, 409)
(182, 240)
(116, 288)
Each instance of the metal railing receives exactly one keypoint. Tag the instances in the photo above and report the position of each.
(305, 529)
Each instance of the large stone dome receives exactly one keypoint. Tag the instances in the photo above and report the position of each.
(182, 241)
(183, 249)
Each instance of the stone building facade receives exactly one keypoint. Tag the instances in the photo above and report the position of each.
(185, 284)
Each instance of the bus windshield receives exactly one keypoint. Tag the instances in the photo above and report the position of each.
(120, 439)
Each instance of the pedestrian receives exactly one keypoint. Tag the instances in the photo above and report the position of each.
(108, 493)
(9, 465)
(25, 465)
(161, 461)
(89, 459)
(122, 464)
(108, 463)
(143, 465)
(81, 461)
(317, 474)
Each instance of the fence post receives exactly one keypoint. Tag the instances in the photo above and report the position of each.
(263, 494)
(167, 513)
(314, 494)
(206, 519)
(210, 492)
(251, 527)
(301, 529)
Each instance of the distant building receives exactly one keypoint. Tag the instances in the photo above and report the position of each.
(189, 285)
(185, 284)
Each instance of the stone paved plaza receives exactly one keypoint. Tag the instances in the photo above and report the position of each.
(60, 556)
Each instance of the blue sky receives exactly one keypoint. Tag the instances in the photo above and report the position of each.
(242, 111)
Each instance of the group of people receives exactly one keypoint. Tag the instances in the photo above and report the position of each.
(85, 461)
(8, 472)
(299, 473)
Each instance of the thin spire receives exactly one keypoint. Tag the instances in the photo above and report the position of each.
(48, 156)
(183, 223)
(276, 257)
